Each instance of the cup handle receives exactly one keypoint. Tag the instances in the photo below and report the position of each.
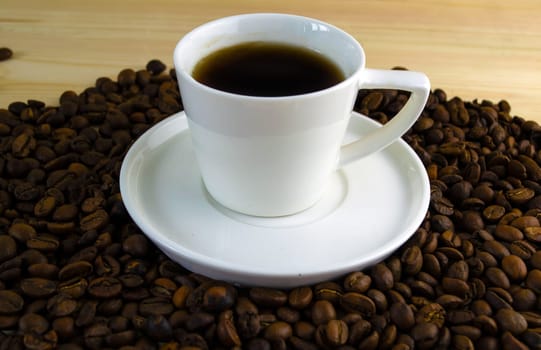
(415, 82)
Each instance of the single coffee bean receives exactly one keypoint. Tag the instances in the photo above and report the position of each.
(37, 287)
(357, 282)
(61, 305)
(425, 335)
(136, 245)
(86, 313)
(95, 221)
(509, 341)
(300, 297)
(498, 298)
(64, 326)
(226, 330)
(511, 321)
(514, 267)
(8, 248)
(508, 233)
(288, 314)
(198, 320)
(402, 315)
(329, 291)
(278, 330)
(268, 297)
(43, 242)
(76, 269)
(179, 297)
(104, 287)
(32, 322)
(219, 297)
(48, 271)
(431, 313)
(382, 277)
(22, 232)
(75, 287)
(155, 306)
(356, 302)
(5, 53)
(412, 260)
(106, 265)
(335, 333)
(486, 324)
(533, 280)
(523, 299)
(322, 312)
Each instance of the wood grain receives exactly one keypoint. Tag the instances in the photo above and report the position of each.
(472, 49)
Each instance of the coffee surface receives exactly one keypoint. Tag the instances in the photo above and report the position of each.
(267, 69)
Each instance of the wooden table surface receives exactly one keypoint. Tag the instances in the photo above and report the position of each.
(484, 49)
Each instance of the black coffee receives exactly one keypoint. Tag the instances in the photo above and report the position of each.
(267, 69)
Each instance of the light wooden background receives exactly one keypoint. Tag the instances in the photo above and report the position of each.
(485, 49)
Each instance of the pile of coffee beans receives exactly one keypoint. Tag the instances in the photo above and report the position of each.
(76, 273)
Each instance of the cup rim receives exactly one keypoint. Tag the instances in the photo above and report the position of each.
(351, 79)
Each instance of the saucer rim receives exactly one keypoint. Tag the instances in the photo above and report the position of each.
(241, 272)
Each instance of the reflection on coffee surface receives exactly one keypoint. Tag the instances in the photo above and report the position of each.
(269, 69)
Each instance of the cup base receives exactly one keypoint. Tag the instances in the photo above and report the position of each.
(332, 197)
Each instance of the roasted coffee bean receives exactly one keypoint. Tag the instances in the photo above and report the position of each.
(8, 248)
(94, 335)
(226, 330)
(514, 267)
(10, 302)
(402, 315)
(198, 320)
(329, 291)
(357, 282)
(43, 242)
(66, 212)
(425, 335)
(498, 298)
(76, 269)
(95, 221)
(32, 322)
(104, 287)
(136, 245)
(431, 313)
(219, 297)
(278, 331)
(335, 333)
(106, 265)
(356, 302)
(382, 276)
(509, 341)
(5, 53)
(300, 297)
(322, 312)
(508, 233)
(64, 327)
(155, 306)
(523, 299)
(37, 287)
(497, 277)
(86, 313)
(61, 305)
(412, 260)
(75, 287)
(22, 232)
(48, 271)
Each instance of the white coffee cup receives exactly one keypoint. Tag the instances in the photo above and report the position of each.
(273, 156)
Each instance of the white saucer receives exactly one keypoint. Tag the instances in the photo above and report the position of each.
(369, 209)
